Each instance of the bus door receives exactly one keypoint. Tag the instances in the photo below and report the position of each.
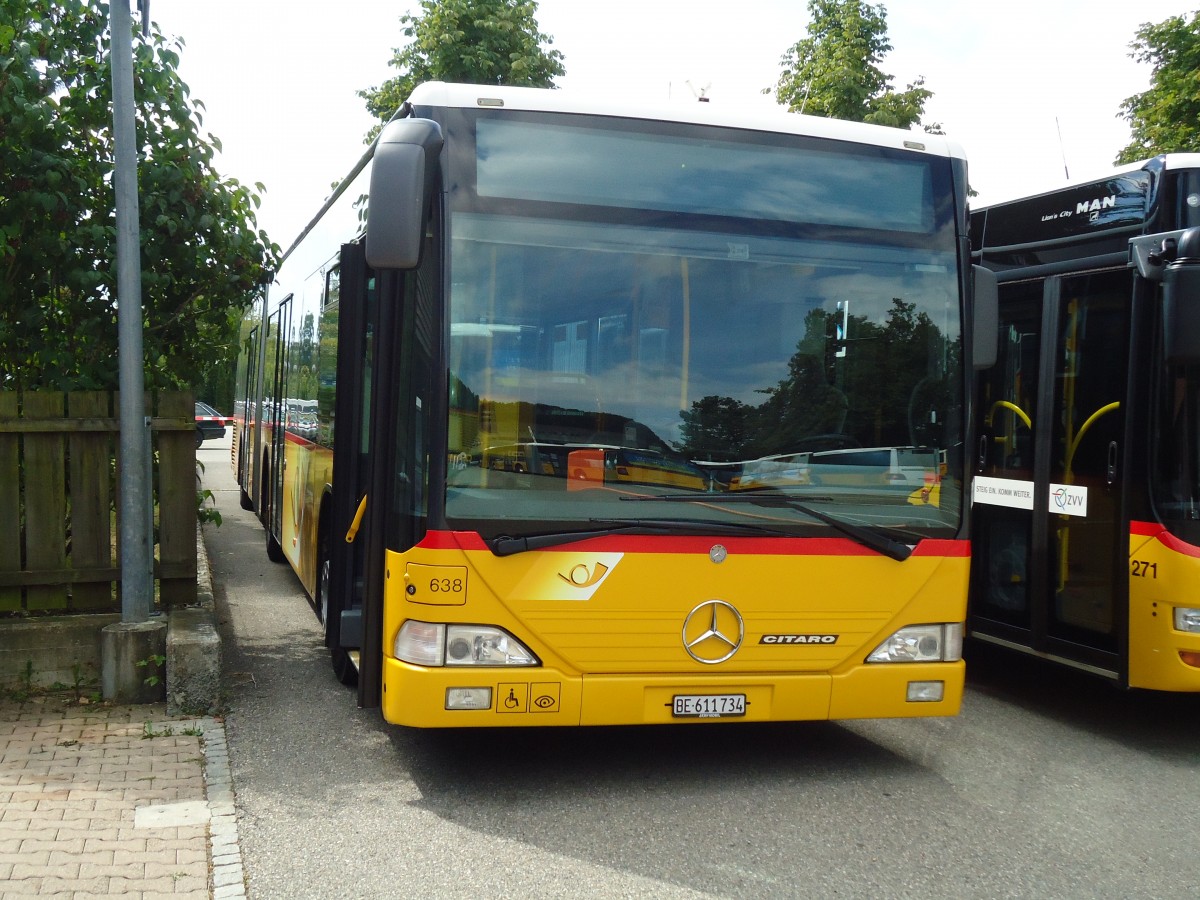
(276, 416)
(1051, 536)
(355, 379)
(247, 422)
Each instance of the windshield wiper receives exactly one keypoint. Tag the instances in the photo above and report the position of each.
(871, 537)
(507, 545)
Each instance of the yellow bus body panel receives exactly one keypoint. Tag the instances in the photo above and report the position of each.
(608, 627)
(1160, 574)
(307, 471)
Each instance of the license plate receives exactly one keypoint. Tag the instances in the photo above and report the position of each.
(708, 706)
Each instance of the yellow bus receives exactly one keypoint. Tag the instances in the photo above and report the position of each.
(1087, 487)
(536, 337)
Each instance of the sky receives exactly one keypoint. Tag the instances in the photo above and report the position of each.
(1030, 88)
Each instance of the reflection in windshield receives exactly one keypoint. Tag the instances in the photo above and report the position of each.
(588, 357)
(1175, 475)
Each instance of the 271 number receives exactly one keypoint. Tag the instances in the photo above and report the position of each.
(1143, 569)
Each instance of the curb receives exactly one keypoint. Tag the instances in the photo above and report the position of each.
(228, 876)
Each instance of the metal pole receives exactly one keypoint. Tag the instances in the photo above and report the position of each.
(137, 566)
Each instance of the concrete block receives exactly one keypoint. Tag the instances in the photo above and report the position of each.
(122, 647)
(193, 663)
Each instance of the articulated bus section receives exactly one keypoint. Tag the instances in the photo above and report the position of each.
(651, 630)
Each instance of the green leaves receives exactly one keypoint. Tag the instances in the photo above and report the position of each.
(834, 72)
(469, 41)
(1164, 118)
(202, 254)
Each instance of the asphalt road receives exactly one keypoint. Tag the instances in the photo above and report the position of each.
(1047, 785)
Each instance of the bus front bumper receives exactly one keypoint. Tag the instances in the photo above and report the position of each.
(531, 697)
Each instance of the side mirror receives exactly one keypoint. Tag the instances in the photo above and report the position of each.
(1181, 301)
(403, 172)
(985, 310)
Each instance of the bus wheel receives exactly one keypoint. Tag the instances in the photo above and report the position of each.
(331, 614)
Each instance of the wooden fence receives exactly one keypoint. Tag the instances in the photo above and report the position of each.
(59, 509)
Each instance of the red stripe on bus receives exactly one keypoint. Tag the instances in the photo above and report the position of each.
(625, 543)
(296, 439)
(1159, 532)
(452, 540)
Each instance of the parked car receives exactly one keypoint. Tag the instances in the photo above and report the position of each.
(210, 424)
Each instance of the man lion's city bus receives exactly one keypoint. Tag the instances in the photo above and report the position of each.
(1087, 498)
(579, 413)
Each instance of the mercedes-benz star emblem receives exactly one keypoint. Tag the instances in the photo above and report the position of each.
(712, 632)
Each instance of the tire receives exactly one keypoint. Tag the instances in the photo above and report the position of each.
(329, 611)
(247, 503)
(199, 438)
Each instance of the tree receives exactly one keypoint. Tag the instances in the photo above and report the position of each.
(834, 71)
(468, 41)
(201, 255)
(1164, 118)
(714, 428)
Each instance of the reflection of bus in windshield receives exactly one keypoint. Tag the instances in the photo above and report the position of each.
(588, 448)
(549, 288)
(591, 467)
(532, 458)
(594, 465)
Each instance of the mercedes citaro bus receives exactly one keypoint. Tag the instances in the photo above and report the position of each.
(541, 335)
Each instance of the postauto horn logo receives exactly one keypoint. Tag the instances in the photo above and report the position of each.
(562, 576)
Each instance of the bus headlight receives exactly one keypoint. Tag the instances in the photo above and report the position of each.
(421, 643)
(1187, 619)
(436, 644)
(921, 643)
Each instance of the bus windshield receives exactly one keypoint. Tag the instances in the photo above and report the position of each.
(652, 321)
(1175, 475)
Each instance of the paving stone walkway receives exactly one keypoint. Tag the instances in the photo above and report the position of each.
(100, 801)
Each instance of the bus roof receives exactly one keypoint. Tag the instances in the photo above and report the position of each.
(442, 94)
(1089, 217)
(1163, 162)
(438, 94)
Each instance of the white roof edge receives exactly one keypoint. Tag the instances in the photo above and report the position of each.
(438, 93)
(1183, 160)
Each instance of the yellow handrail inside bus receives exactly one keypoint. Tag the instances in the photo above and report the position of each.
(1116, 404)
(352, 533)
(1064, 527)
(1004, 404)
